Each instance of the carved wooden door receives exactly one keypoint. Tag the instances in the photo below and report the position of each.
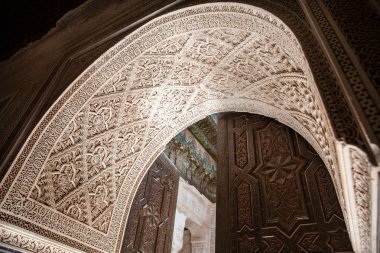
(151, 218)
(274, 192)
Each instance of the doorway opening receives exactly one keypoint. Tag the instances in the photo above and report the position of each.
(239, 182)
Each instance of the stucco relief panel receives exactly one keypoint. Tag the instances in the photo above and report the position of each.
(81, 167)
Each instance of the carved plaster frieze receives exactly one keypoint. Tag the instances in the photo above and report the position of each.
(194, 163)
(357, 179)
(205, 132)
(75, 178)
(26, 241)
(361, 183)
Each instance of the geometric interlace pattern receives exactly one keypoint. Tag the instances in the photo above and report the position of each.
(242, 59)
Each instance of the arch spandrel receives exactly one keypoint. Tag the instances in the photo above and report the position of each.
(77, 174)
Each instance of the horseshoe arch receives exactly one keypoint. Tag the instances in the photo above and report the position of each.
(116, 117)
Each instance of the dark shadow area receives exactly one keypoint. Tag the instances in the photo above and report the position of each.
(26, 21)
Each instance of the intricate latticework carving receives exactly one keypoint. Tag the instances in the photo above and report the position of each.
(241, 152)
(102, 115)
(244, 207)
(361, 184)
(73, 134)
(151, 72)
(366, 100)
(31, 243)
(341, 117)
(78, 173)
(356, 23)
(280, 166)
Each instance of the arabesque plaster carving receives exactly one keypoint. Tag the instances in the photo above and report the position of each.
(76, 176)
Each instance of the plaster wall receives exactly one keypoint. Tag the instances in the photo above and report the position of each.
(196, 213)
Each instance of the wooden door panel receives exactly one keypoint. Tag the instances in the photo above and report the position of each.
(274, 192)
(151, 218)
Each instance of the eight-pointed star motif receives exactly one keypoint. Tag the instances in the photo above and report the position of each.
(279, 168)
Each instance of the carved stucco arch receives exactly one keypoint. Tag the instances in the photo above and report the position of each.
(75, 178)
